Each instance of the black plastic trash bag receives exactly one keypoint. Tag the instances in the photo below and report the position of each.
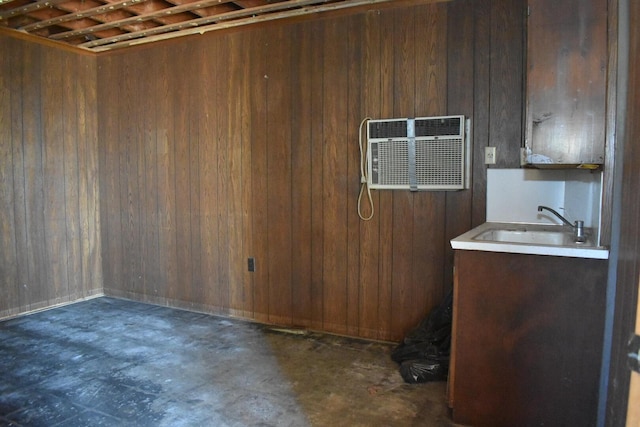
(424, 370)
(424, 353)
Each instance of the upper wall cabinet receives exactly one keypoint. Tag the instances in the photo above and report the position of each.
(566, 82)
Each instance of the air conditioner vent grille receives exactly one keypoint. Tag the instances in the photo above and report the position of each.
(438, 127)
(388, 129)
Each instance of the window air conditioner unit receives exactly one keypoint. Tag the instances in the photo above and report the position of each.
(424, 153)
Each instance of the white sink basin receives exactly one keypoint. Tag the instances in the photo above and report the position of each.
(533, 239)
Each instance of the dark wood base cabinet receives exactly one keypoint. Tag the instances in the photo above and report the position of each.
(527, 339)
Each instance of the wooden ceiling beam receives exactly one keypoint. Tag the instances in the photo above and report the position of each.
(128, 40)
(22, 10)
(139, 18)
(196, 25)
(106, 8)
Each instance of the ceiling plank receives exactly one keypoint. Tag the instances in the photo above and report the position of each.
(196, 25)
(109, 7)
(29, 8)
(98, 46)
(139, 18)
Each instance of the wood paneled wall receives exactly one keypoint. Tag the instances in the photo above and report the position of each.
(49, 209)
(224, 147)
(628, 204)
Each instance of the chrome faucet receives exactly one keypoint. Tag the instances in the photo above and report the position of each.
(578, 226)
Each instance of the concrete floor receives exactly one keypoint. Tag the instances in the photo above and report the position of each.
(110, 362)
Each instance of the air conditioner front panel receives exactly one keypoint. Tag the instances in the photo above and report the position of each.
(438, 163)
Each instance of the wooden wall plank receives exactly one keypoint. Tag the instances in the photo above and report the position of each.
(385, 200)
(9, 285)
(429, 207)
(16, 74)
(195, 118)
(301, 178)
(223, 104)
(460, 38)
(88, 188)
(182, 144)
(34, 186)
(480, 125)
(259, 182)
(111, 235)
(316, 169)
(53, 161)
(278, 72)
(71, 175)
(237, 90)
(370, 230)
(245, 164)
(208, 180)
(148, 181)
(334, 168)
(402, 297)
(354, 79)
(505, 126)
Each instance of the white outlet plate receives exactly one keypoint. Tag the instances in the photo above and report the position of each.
(489, 155)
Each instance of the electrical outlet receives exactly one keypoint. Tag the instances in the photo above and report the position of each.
(251, 264)
(489, 155)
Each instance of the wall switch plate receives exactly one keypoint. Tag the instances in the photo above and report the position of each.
(489, 155)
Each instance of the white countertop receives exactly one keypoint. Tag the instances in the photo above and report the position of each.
(468, 241)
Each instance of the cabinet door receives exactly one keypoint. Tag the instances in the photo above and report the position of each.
(566, 81)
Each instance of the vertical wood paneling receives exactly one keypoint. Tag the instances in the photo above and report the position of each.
(354, 80)
(316, 170)
(8, 261)
(88, 188)
(182, 145)
(278, 176)
(237, 104)
(46, 246)
(334, 169)
(505, 125)
(209, 204)
(223, 104)
(301, 119)
(460, 101)
(481, 115)
(429, 207)
(246, 130)
(369, 230)
(129, 189)
(16, 75)
(71, 175)
(402, 292)
(385, 200)
(148, 182)
(259, 184)
(194, 121)
(53, 161)
(257, 156)
(169, 286)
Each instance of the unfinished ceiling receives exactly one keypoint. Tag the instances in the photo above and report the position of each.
(102, 25)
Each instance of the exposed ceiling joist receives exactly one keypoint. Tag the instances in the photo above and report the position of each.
(104, 25)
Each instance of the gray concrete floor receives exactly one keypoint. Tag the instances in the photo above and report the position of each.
(111, 362)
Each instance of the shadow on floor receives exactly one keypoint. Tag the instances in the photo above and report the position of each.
(111, 362)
